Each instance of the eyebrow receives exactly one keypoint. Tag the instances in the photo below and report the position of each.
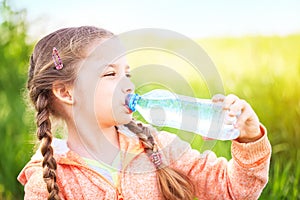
(127, 67)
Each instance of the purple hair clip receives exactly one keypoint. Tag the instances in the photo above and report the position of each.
(56, 59)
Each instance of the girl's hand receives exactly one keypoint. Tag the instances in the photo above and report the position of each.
(247, 121)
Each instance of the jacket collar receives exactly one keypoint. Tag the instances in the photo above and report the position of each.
(130, 146)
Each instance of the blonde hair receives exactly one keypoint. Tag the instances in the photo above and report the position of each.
(72, 44)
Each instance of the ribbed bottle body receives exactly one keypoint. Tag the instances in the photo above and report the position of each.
(201, 116)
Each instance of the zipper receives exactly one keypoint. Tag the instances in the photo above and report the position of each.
(117, 187)
(119, 194)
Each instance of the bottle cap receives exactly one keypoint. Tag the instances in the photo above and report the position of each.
(131, 101)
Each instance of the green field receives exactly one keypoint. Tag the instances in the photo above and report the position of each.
(263, 70)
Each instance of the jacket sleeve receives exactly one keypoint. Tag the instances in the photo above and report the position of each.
(34, 185)
(242, 177)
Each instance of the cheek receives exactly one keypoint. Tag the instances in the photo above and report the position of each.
(103, 99)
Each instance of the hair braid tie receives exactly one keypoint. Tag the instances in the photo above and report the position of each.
(156, 157)
(144, 134)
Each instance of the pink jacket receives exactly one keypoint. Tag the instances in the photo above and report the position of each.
(243, 177)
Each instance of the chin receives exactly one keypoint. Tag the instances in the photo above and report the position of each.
(124, 121)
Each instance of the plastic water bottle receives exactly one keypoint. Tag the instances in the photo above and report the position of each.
(165, 109)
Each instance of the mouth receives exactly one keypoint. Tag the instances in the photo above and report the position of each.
(128, 109)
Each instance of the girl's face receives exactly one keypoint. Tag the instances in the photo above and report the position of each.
(102, 86)
(113, 86)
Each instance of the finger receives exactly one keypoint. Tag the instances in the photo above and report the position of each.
(206, 138)
(243, 118)
(229, 120)
(218, 98)
(229, 100)
(237, 107)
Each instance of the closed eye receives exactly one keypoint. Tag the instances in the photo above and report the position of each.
(110, 74)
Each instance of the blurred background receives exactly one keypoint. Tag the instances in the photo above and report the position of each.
(255, 46)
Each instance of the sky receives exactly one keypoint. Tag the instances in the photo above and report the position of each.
(192, 18)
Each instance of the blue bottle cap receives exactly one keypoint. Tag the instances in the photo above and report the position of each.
(131, 101)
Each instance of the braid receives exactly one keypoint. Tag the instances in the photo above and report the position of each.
(45, 136)
(173, 185)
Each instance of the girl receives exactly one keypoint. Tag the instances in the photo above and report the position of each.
(107, 155)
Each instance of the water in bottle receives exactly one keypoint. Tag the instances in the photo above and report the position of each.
(165, 109)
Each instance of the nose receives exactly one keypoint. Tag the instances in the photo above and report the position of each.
(128, 86)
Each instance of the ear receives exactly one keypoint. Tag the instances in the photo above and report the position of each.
(63, 92)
